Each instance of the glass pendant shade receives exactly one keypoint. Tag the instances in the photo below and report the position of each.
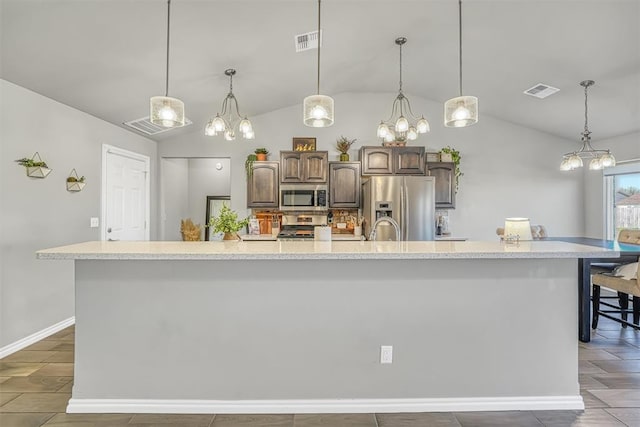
(245, 126)
(595, 164)
(209, 129)
(423, 126)
(402, 125)
(565, 165)
(166, 111)
(318, 111)
(575, 162)
(218, 124)
(461, 111)
(383, 130)
(412, 134)
(229, 135)
(608, 160)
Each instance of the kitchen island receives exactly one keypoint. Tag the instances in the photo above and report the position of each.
(296, 327)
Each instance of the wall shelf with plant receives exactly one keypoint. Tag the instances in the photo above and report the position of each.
(35, 166)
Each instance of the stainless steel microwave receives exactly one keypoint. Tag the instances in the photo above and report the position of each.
(303, 197)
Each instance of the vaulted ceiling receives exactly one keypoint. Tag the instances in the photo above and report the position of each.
(107, 57)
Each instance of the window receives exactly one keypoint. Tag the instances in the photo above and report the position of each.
(622, 198)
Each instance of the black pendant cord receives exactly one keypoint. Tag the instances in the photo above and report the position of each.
(166, 91)
(460, 41)
(318, 82)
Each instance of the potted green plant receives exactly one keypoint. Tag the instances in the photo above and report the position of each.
(455, 158)
(248, 164)
(261, 154)
(74, 182)
(35, 168)
(227, 222)
(343, 144)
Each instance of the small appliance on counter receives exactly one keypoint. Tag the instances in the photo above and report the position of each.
(300, 227)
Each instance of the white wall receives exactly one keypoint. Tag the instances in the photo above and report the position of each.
(40, 213)
(174, 197)
(509, 170)
(626, 147)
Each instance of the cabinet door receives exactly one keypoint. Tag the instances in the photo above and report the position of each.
(409, 160)
(444, 172)
(262, 186)
(344, 184)
(376, 160)
(314, 166)
(291, 164)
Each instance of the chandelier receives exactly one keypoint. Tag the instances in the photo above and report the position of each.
(463, 110)
(397, 127)
(166, 111)
(598, 158)
(226, 121)
(317, 109)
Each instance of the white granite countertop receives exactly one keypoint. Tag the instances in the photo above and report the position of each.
(338, 250)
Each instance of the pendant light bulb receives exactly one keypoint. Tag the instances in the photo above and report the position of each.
(163, 110)
(317, 110)
(463, 110)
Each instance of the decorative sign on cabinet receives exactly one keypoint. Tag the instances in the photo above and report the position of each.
(392, 160)
(344, 184)
(307, 167)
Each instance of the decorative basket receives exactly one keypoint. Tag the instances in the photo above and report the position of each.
(77, 183)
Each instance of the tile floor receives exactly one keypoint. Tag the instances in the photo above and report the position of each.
(35, 384)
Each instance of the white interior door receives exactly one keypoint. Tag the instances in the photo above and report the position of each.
(125, 195)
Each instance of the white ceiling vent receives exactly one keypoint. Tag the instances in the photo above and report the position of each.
(541, 90)
(145, 126)
(307, 41)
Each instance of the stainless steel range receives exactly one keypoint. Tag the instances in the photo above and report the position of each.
(300, 227)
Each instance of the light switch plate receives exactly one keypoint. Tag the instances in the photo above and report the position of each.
(95, 222)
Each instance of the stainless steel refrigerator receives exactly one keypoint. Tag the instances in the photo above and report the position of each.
(410, 200)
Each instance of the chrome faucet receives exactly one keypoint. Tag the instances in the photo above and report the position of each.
(393, 222)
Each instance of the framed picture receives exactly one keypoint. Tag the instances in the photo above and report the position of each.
(304, 144)
(433, 157)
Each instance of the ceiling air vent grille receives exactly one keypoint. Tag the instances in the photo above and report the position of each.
(145, 126)
(541, 90)
(307, 41)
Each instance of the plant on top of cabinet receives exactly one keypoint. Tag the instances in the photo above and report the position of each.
(455, 158)
(35, 168)
(248, 164)
(343, 144)
(227, 222)
(261, 154)
(74, 182)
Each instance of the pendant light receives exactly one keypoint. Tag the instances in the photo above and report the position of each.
(166, 111)
(225, 122)
(598, 158)
(318, 109)
(397, 127)
(463, 110)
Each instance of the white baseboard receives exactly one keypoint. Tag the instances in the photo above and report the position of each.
(34, 338)
(322, 406)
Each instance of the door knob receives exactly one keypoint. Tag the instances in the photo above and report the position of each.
(109, 230)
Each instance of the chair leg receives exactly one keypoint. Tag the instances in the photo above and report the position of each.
(623, 299)
(595, 306)
(636, 310)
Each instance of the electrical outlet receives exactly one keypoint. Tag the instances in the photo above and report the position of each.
(386, 354)
(95, 222)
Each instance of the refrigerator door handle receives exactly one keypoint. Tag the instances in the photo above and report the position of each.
(405, 211)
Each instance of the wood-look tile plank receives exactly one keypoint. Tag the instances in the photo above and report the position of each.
(627, 354)
(587, 367)
(55, 370)
(597, 354)
(61, 357)
(332, 420)
(24, 419)
(42, 345)
(187, 420)
(19, 369)
(89, 420)
(589, 382)
(28, 356)
(435, 419)
(64, 346)
(619, 380)
(618, 398)
(258, 420)
(629, 416)
(7, 397)
(498, 419)
(586, 418)
(37, 402)
(592, 402)
(34, 384)
(613, 366)
(67, 388)
(3, 379)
